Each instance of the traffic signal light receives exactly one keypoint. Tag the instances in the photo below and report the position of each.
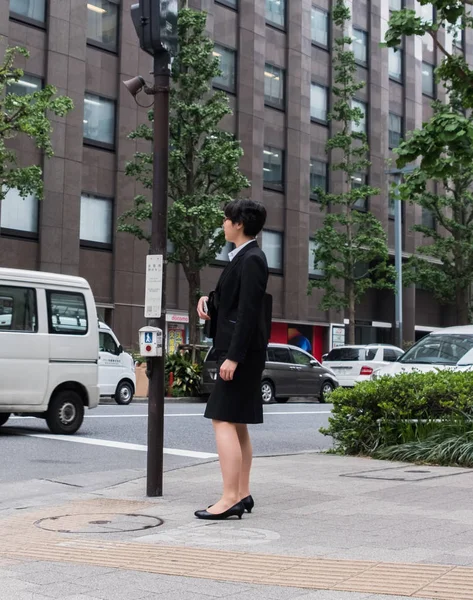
(155, 22)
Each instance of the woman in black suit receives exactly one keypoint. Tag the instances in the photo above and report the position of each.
(239, 311)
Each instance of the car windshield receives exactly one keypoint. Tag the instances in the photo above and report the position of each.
(351, 354)
(446, 349)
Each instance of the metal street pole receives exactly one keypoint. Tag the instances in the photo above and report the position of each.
(398, 266)
(154, 482)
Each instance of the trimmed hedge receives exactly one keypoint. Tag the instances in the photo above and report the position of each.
(376, 414)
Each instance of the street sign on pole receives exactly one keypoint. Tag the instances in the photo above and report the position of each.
(154, 286)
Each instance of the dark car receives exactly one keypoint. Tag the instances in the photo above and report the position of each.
(289, 372)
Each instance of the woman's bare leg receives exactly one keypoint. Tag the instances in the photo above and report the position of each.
(230, 457)
(247, 459)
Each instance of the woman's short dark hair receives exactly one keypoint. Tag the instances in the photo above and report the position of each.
(251, 214)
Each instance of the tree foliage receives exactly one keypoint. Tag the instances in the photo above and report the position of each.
(351, 247)
(204, 161)
(442, 149)
(25, 115)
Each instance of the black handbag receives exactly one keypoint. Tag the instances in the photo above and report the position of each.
(210, 327)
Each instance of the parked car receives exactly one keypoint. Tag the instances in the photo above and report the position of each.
(289, 372)
(353, 364)
(48, 348)
(449, 348)
(116, 368)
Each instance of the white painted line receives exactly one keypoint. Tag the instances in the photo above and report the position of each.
(120, 445)
(302, 412)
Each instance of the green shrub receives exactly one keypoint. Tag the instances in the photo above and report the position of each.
(378, 413)
(186, 375)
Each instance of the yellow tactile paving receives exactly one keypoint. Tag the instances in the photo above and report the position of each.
(22, 539)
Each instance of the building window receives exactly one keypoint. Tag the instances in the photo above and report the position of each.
(99, 121)
(394, 180)
(428, 85)
(274, 86)
(227, 64)
(318, 102)
(102, 23)
(276, 12)
(395, 130)
(357, 181)
(96, 220)
(231, 3)
(225, 251)
(319, 24)
(314, 270)
(273, 167)
(360, 46)
(395, 64)
(318, 177)
(428, 219)
(19, 214)
(34, 10)
(67, 313)
(361, 126)
(272, 247)
(425, 11)
(395, 4)
(28, 84)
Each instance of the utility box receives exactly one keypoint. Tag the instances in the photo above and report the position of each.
(151, 341)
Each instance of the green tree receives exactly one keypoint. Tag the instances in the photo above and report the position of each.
(351, 247)
(204, 161)
(27, 115)
(442, 181)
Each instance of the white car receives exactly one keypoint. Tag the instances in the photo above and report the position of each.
(116, 368)
(449, 348)
(354, 364)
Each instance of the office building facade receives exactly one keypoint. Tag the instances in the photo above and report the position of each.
(276, 61)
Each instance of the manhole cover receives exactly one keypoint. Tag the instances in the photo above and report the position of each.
(98, 523)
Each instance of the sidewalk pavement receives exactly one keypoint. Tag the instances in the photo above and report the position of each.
(324, 528)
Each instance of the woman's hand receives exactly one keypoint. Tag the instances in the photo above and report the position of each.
(200, 308)
(227, 370)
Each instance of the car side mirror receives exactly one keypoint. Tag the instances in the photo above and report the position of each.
(324, 356)
(314, 363)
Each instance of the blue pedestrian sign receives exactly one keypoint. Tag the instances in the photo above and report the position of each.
(148, 337)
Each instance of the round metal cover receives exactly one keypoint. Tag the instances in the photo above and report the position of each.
(98, 523)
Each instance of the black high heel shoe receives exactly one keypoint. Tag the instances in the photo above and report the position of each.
(235, 511)
(248, 503)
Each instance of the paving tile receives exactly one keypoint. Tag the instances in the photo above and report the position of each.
(63, 589)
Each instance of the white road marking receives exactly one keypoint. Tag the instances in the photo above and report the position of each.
(302, 412)
(120, 445)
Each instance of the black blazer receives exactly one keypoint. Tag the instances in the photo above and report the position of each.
(240, 309)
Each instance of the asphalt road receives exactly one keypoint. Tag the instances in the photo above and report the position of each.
(114, 437)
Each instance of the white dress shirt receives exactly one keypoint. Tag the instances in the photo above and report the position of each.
(233, 253)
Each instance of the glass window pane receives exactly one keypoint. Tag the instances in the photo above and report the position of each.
(233, 3)
(224, 252)
(17, 213)
(227, 59)
(32, 9)
(360, 46)
(395, 63)
(427, 79)
(318, 102)
(273, 166)
(102, 22)
(107, 343)
(282, 355)
(428, 219)
(17, 309)
(358, 180)
(28, 84)
(361, 126)
(274, 85)
(67, 313)
(99, 119)
(425, 11)
(319, 23)
(300, 358)
(272, 247)
(318, 176)
(395, 4)
(395, 130)
(313, 268)
(96, 219)
(276, 12)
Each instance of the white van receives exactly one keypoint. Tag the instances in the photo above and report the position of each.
(116, 368)
(48, 348)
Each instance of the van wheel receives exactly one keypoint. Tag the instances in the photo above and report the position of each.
(4, 418)
(65, 413)
(124, 393)
(267, 392)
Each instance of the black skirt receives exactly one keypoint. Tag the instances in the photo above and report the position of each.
(239, 400)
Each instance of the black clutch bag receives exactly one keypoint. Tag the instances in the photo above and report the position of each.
(210, 327)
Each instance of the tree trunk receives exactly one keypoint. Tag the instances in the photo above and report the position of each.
(351, 311)
(462, 306)
(193, 279)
